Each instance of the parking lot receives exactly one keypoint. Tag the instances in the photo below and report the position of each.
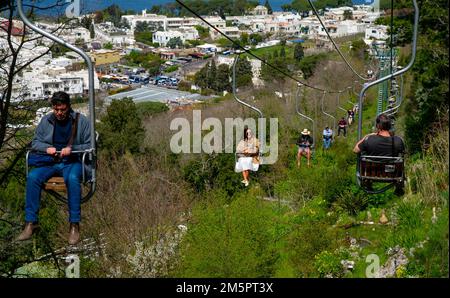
(155, 94)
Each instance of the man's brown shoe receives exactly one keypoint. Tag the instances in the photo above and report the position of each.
(74, 233)
(28, 231)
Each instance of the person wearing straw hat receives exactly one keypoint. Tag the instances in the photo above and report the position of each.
(304, 143)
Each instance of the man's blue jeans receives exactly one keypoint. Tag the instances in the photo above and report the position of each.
(326, 143)
(71, 172)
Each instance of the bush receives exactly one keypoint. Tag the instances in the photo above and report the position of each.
(171, 68)
(147, 109)
(352, 201)
(120, 90)
(306, 241)
(120, 129)
(234, 240)
(328, 264)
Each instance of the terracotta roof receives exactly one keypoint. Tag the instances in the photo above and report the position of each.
(15, 31)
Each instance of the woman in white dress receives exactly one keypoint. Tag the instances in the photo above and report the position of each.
(248, 152)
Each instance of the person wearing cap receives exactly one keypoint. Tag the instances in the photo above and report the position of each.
(327, 137)
(304, 142)
(58, 134)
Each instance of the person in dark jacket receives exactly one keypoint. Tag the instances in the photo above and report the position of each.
(342, 125)
(58, 135)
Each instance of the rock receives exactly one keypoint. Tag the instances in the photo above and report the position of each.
(434, 217)
(383, 219)
(397, 260)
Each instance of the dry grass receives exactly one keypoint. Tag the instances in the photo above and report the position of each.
(429, 175)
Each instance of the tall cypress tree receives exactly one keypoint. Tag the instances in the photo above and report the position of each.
(269, 8)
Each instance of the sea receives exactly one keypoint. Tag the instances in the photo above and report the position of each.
(139, 5)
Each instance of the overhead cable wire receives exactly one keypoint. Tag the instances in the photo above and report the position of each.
(253, 55)
(334, 44)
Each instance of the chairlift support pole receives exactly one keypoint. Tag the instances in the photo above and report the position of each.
(325, 113)
(297, 105)
(261, 127)
(398, 73)
(90, 67)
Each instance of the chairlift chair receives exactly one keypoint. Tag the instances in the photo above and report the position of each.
(389, 170)
(326, 114)
(55, 186)
(303, 116)
(261, 127)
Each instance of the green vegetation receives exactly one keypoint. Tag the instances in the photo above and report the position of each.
(149, 61)
(308, 64)
(169, 215)
(108, 46)
(218, 78)
(147, 109)
(171, 68)
(223, 7)
(121, 129)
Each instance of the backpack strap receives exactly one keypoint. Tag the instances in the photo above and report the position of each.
(393, 147)
(74, 129)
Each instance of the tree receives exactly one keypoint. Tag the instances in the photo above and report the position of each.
(175, 42)
(286, 7)
(14, 108)
(298, 52)
(86, 22)
(269, 8)
(244, 39)
(202, 31)
(348, 15)
(428, 100)
(121, 129)
(309, 63)
(201, 77)
(244, 73)
(108, 46)
(17, 55)
(212, 75)
(92, 31)
(271, 75)
(223, 78)
(255, 38)
(283, 52)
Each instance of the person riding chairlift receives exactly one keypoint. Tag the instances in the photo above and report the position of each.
(350, 116)
(304, 142)
(248, 152)
(327, 137)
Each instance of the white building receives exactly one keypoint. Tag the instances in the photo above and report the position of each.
(107, 33)
(163, 37)
(260, 10)
(232, 32)
(76, 34)
(378, 32)
(38, 84)
(153, 20)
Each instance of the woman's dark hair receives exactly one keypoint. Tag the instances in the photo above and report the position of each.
(245, 133)
(384, 122)
(60, 97)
